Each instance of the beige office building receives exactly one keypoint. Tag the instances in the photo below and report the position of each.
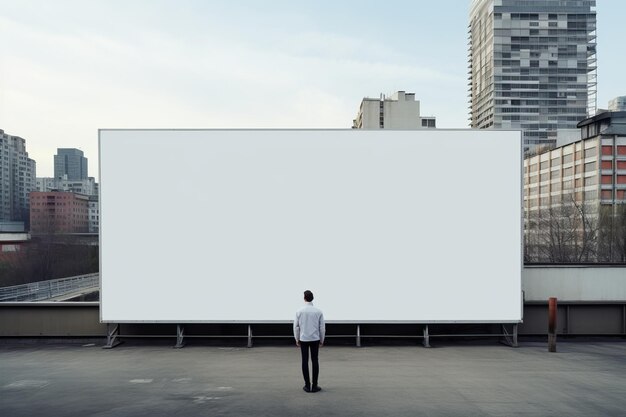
(575, 196)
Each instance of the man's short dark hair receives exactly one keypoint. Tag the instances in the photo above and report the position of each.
(308, 296)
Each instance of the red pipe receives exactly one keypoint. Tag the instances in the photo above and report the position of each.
(552, 307)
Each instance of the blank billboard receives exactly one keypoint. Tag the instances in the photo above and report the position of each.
(383, 226)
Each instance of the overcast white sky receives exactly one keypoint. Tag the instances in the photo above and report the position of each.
(68, 68)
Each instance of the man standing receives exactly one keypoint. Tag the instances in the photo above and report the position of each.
(309, 330)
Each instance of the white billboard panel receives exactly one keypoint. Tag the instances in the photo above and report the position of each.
(383, 226)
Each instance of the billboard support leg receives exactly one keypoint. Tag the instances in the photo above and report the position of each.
(249, 335)
(510, 339)
(113, 332)
(426, 341)
(180, 336)
(358, 335)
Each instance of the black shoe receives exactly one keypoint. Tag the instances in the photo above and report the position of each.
(316, 388)
(306, 388)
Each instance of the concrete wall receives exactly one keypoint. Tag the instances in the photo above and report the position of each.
(591, 301)
(62, 319)
(575, 283)
(73, 319)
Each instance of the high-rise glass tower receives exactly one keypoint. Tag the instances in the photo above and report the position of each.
(532, 66)
(70, 162)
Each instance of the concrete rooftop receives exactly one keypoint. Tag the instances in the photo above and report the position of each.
(135, 379)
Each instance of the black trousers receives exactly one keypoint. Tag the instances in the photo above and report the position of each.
(314, 347)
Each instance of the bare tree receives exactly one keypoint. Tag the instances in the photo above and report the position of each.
(50, 254)
(612, 230)
(563, 233)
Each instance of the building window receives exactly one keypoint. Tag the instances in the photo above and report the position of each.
(606, 195)
(608, 164)
(10, 248)
(590, 166)
(607, 179)
(607, 150)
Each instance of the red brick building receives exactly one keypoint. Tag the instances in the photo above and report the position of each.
(58, 212)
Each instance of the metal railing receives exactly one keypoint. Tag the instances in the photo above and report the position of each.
(46, 290)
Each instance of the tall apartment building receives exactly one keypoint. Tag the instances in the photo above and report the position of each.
(532, 66)
(575, 195)
(17, 178)
(398, 111)
(58, 212)
(70, 163)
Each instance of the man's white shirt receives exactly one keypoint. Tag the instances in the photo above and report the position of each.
(309, 324)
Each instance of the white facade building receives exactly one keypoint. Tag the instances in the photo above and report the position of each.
(398, 111)
(94, 214)
(17, 178)
(618, 104)
(87, 186)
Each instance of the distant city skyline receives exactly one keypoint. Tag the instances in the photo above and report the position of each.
(70, 68)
